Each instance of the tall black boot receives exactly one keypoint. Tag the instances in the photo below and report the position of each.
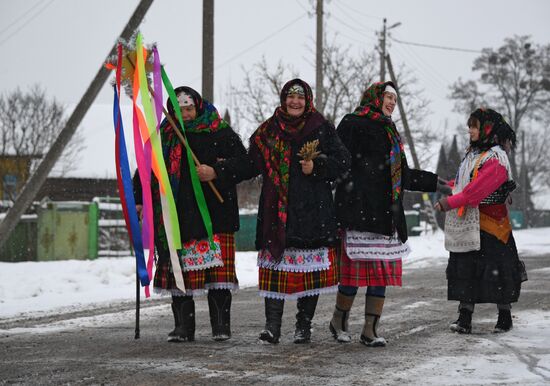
(306, 310)
(273, 316)
(172, 335)
(219, 305)
(463, 324)
(184, 315)
(504, 322)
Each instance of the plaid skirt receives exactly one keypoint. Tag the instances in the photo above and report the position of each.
(199, 281)
(293, 285)
(364, 273)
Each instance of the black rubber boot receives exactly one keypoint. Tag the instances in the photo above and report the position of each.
(172, 334)
(463, 325)
(219, 305)
(306, 310)
(273, 316)
(504, 322)
(184, 314)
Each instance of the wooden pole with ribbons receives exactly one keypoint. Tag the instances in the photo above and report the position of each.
(180, 136)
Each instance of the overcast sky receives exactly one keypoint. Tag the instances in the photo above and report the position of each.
(60, 44)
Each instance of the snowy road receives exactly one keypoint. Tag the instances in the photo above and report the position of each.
(97, 346)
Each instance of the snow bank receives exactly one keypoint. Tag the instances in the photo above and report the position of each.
(43, 287)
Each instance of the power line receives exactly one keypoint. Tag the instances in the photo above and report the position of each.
(21, 17)
(436, 46)
(236, 56)
(434, 70)
(352, 17)
(261, 41)
(303, 7)
(365, 14)
(26, 23)
(364, 33)
(414, 63)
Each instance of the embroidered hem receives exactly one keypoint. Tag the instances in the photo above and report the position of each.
(365, 246)
(211, 264)
(298, 295)
(296, 260)
(201, 254)
(196, 292)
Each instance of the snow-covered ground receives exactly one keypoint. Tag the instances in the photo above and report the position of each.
(521, 356)
(44, 287)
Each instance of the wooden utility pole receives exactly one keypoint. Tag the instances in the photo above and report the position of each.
(525, 187)
(319, 60)
(383, 53)
(430, 212)
(36, 181)
(403, 115)
(208, 50)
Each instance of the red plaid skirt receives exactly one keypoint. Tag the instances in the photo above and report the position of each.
(369, 272)
(215, 277)
(281, 284)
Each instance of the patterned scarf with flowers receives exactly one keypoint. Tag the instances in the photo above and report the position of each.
(371, 107)
(273, 139)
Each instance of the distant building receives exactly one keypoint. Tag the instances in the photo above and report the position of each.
(77, 189)
(14, 173)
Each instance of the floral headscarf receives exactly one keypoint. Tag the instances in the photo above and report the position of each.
(273, 139)
(371, 107)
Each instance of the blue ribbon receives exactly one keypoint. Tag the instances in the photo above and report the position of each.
(128, 192)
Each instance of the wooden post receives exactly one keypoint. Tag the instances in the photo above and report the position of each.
(403, 115)
(425, 198)
(208, 50)
(319, 59)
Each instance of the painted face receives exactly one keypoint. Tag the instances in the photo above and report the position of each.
(388, 104)
(188, 113)
(474, 133)
(295, 104)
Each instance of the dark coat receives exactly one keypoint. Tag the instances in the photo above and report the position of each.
(363, 199)
(311, 220)
(211, 149)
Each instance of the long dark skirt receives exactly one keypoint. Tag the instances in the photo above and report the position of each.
(491, 275)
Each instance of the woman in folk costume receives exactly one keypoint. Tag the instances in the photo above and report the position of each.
(206, 266)
(296, 228)
(483, 265)
(369, 208)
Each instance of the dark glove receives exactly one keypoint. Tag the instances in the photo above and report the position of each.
(443, 187)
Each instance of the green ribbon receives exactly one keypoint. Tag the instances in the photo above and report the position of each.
(197, 187)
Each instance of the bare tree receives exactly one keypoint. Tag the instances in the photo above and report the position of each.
(417, 109)
(256, 98)
(346, 76)
(514, 79)
(29, 123)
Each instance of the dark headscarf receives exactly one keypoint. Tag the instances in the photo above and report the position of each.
(208, 120)
(273, 139)
(493, 129)
(371, 107)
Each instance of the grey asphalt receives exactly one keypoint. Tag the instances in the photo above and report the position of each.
(104, 351)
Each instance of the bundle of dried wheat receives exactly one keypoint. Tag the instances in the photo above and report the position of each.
(309, 151)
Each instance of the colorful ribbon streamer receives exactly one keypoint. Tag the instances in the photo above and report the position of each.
(168, 204)
(195, 182)
(124, 180)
